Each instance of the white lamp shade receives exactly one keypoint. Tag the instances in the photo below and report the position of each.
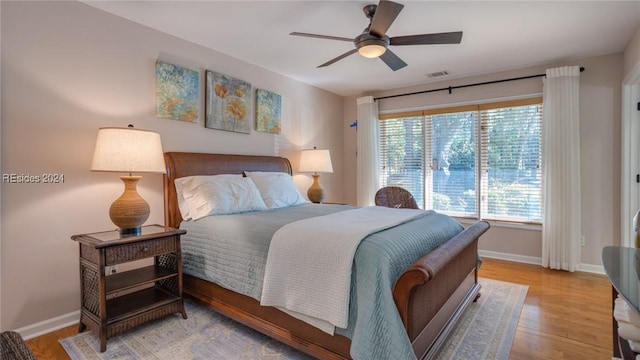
(315, 160)
(128, 150)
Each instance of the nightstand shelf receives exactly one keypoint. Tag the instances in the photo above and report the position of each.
(134, 278)
(126, 306)
(112, 304)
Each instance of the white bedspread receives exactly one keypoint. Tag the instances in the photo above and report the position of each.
(308, 270)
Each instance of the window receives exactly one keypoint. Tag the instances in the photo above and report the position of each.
(479, 161)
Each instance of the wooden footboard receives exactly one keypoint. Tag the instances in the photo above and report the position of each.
(432, 294)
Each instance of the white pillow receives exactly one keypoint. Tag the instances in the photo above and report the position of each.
(276, 188)
(180, 182)
(221, 196)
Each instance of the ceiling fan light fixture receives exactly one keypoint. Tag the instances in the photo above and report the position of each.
(373, 41)
(372, 50)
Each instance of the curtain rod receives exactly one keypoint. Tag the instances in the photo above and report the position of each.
(450, 88)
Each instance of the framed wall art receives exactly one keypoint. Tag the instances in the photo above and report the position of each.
(268, 111)
(177, 92)
(228, 103)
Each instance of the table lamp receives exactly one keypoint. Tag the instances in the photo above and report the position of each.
(315, 161)
(128, 150)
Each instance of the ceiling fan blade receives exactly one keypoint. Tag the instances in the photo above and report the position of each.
(392, 60)
(428, 39)
(339, 58)
(385, 14)
(321, 36)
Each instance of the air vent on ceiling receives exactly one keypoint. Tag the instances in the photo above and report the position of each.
(438, 73)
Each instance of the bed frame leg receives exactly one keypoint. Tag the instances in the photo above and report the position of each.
(477, 297)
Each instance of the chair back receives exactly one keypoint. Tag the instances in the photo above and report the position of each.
(395, 197)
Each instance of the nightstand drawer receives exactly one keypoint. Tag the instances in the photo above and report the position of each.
(140, 250)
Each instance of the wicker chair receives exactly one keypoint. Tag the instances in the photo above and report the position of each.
(395, 197)
(13, 347)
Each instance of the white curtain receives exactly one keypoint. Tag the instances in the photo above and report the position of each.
(367, 169)
(561, 229)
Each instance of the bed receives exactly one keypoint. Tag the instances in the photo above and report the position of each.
(429, 295)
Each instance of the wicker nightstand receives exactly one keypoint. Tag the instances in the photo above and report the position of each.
(112, 304)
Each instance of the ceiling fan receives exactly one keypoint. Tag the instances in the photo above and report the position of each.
(373, 41)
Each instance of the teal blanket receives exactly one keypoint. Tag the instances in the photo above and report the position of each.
(375, 327)
(231, 251)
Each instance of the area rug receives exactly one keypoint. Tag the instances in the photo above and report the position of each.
(488, 326)
(485, 331)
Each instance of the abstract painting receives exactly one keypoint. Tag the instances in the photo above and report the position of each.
(177, 92)
(228, 103)
(268, 111)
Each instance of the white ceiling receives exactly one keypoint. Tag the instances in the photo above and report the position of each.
(498, 35)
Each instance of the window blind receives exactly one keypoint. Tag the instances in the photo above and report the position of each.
(452, 174)
(401, 154)
(512, 176)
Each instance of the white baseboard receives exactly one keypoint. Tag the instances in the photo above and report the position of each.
(50, 325)
(511, 257)
(596, 269)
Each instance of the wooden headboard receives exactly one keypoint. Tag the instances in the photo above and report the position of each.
(181, 164)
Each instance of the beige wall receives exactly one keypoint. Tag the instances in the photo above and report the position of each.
(600, 151)
(632, 53)
(350, 150)
(68, 69)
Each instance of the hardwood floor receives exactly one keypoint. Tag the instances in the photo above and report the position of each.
(47, 347)
(565, 315)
